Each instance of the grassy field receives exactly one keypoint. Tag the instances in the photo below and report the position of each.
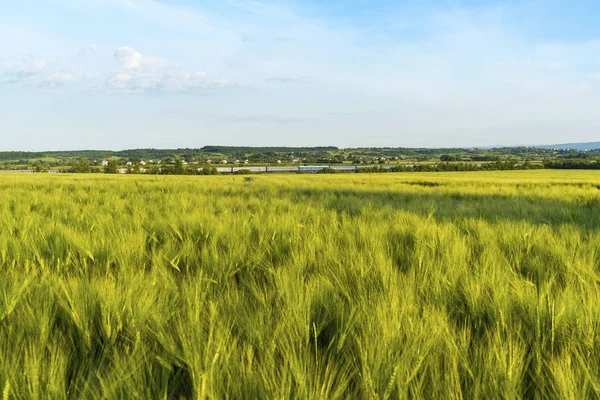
(374, 286)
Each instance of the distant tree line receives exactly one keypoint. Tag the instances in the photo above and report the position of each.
(185, 161)
(476, 157)
(179, 168)
(571, 164)
(324, 154)
(494, 166)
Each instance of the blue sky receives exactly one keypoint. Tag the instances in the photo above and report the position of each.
(114, 74)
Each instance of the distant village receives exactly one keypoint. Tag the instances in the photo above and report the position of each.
(224, 166)
(144, 165)
(223, 159)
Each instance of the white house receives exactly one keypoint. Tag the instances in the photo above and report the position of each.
(104, 163)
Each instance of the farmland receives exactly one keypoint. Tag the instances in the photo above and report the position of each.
(377, 286)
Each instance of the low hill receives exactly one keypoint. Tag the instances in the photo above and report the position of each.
(572, 146)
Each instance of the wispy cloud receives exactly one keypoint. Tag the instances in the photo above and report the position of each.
(135, 74)
(90, 48)
(146, 75)
(25, 71)
(36, 73)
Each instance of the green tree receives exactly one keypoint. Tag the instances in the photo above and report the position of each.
(39, 167)
(178, 168)
(82, 166)
(111, 167)
(447, 157)
(206, 170)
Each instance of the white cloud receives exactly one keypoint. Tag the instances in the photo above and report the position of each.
(129, 59)
(25, 71)
(31, 72)
(145, 75)
(136, 74)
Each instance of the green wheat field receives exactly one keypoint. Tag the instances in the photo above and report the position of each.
(349, 286)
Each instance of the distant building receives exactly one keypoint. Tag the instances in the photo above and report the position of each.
(278, 161)
(142, 162)
(246, 161)
(104, 163)
(223, 161)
